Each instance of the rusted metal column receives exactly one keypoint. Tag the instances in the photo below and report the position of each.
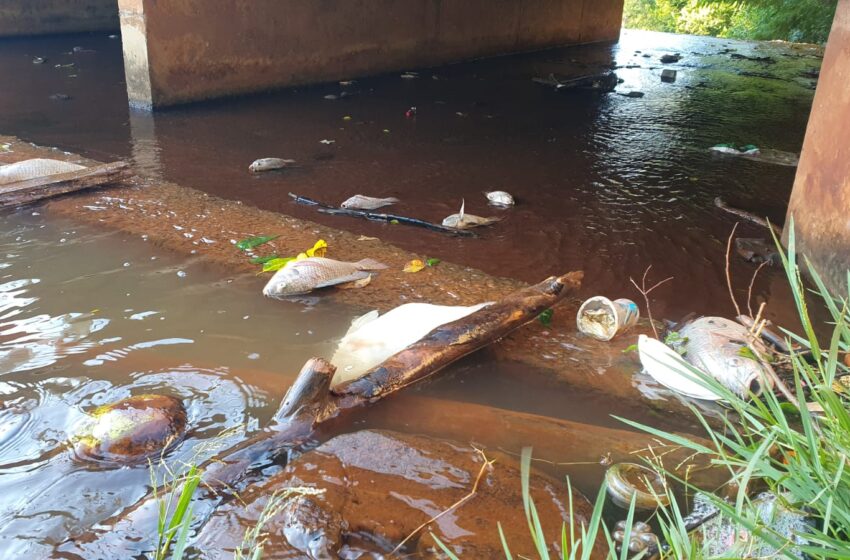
(820, 201)
(186, 50)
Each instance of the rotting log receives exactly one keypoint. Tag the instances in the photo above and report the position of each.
(309, 405)
(720, 203)
(39, 188)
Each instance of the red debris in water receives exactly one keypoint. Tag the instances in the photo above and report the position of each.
(410, 113)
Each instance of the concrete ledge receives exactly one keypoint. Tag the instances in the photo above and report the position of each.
(198, 49)
(41, 17)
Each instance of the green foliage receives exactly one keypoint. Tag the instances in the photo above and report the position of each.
(790, 20)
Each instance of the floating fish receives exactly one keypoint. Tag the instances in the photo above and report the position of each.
(718, 347)
(305, 275)
(269, 164)
(362, 202)
(372, 339)
(500, 198)
(32, 168)
(462, 220)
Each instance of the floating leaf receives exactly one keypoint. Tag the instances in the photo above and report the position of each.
(346, 118)
(545, 318)
(630, 348)
(252, 242)
(263, 260)
(432, 262)
(414, 266)
(394, 221)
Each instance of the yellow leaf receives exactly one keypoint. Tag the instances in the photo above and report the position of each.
(414, 266)
(318, 250)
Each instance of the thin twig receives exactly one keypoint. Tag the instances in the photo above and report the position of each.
(460, 502)
(728, 274)
(750, 289)
(642, 289)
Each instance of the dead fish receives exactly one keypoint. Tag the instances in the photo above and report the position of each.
(32, 168)
(500, 198)
(461, 220)
(269, 164)
(304, 276)
(722, 349)
(362, 202)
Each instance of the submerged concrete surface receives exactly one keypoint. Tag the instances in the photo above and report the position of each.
(820, 201)
(185, 50)
(152, 209)
(39, 17)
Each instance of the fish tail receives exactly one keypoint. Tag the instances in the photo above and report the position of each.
(392, 200)
(370, 264)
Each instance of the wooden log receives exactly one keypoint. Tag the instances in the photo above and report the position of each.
(452, 341)
(38, 188)
(720, 203)
(380, 217)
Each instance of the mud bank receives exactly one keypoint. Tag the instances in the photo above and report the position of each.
(206, 227)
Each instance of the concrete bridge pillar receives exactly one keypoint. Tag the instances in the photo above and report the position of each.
(820, 201)
(177, 51)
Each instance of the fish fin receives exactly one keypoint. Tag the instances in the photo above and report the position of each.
(370, 264)
(391, 200)
(362, 283)
(462, 207)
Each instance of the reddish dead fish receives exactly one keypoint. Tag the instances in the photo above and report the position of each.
(305, 275)
(362, 202)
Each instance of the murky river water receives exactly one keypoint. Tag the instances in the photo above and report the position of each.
(604, 183)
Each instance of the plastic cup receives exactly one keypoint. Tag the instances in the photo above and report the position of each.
(603, 319)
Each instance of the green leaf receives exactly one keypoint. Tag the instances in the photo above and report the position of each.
(630, 348)
(394, 221)
(545, 318)
(432, 262)
(263, 260)
(251, 242)
(276, 264)
(746, 352)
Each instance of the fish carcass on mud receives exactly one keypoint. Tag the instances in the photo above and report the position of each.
(303, 276)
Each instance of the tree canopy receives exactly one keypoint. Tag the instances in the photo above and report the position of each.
(790, 20)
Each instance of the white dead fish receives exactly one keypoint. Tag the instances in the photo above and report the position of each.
(461, 220)
(305, 275)
(32, 168)
(718, 347)
(372, 339)
(362, 202)
(269, 164)
(500, 198)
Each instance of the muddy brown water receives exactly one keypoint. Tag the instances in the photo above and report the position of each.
(604, 183)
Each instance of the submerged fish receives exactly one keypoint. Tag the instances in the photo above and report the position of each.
(362, 202)
(269, 164)
(462, 220)
(500, 198)
(32, 168)
(305, 275)
(372, 339)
